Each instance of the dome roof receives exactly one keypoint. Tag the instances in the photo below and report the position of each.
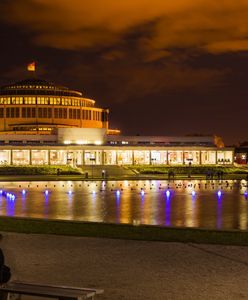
(35, 86)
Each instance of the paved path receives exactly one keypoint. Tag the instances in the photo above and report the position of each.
(130, 269)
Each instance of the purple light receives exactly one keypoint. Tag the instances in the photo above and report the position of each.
(70, 192)
(10, 196)
(23, 192)
(167, 193)
(245, 194)
(219, 194)
(46, 192)
(118, 193)
(1, 192)
(142, 193)
(193, 193)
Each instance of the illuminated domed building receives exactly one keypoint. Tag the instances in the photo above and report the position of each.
(43, 123)
(35, 105)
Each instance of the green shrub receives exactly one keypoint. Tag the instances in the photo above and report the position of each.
(183, 170)
(38, 170)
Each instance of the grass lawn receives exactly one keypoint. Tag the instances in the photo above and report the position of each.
(123, 231)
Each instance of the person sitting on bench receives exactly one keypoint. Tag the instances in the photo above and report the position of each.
(5, 273)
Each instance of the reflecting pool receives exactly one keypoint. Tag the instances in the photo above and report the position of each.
(195, 203)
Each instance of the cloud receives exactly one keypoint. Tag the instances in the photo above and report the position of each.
(127, 80)
(205, 25)
(139, 47)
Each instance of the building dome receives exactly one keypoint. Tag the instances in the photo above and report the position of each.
(37, 86)
(36, 104)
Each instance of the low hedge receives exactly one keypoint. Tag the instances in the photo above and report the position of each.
(38, 170)
(197, 170)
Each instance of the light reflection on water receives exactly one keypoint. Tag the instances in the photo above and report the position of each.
(204, 204)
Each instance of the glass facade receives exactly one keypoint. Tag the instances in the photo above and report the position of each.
(93, 157)
(192, 157)
(158, 157)
(74, 158)
(114, 157)
(125, 157)
(224, 157)
(20, 157)
(141, 157)
(47, 101)
(175, 157)
(109, 157)
(208, 157)
(58, 157)
(39, 157)
(5, 157)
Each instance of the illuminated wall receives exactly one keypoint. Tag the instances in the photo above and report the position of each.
(22, 116)
(82, 136)
(35, 103)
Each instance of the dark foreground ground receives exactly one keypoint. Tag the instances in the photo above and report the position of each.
(130, 269)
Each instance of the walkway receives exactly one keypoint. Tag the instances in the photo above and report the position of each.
(130, 270)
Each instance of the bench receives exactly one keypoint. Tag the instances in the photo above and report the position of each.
(47, 291)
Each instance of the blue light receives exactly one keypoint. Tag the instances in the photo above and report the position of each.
(193, 193)
(69, 192)
(167, 193)
(219, 194)
(12, 197)
(246, 194)
(46, 192)
(142, 193)
(94, 192)
(23, 192)
(118, 193)
(1, 192)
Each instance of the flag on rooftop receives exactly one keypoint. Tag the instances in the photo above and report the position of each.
(31, 66)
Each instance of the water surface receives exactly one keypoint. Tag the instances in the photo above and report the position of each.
(196, 203)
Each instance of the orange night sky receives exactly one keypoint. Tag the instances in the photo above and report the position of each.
(163, 67)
